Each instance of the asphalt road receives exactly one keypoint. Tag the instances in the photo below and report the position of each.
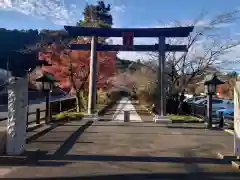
(34, 104)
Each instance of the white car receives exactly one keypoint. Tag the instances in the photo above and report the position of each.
(216, 104)
(193, 99)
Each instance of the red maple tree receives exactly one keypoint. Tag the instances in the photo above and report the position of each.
(71, 67)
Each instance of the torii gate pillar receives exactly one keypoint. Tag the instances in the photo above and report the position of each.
(92, 95)
(161, 83)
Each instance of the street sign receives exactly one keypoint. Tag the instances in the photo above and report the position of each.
(128, 40)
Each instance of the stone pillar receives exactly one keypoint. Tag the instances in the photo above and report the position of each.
(17, 115)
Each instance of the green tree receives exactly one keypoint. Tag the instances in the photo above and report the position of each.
(97, 16)
(233, 74)
(94, 16)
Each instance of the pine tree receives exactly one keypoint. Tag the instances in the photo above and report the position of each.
(97, 16)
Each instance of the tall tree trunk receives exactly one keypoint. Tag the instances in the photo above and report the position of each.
(78, 100)
(80, 94)
(73, 85)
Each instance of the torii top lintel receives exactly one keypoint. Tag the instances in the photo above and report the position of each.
(137, 32)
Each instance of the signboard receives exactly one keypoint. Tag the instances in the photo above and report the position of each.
(128, 40)
(237, 119)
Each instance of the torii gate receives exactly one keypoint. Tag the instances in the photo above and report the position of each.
(128, 35)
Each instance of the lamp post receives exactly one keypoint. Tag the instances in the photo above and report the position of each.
(211, 83)
(48, 81)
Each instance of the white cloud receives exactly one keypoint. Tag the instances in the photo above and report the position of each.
(119, 8)
(197, 50)
(57, 11)
(54, 10)
(133, 55)
(117, 11)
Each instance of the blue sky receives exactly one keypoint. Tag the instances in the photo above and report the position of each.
(127, 13)
(53, 14)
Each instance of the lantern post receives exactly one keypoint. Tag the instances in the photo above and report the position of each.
(211, 83)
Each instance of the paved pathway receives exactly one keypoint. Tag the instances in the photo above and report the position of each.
(126, 105)
(138, 113)
(144, 113)
(109, 150)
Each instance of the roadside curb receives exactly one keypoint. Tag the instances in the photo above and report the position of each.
(231, 159)
(150, 112)
(186, 122)
(229, 131)
(40, 133)
(173, 121)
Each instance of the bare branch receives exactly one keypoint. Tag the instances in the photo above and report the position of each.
(206, 47)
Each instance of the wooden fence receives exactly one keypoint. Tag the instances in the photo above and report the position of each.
(57, 106)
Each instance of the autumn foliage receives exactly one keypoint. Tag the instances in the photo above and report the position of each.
(62, 59)
(226, 90)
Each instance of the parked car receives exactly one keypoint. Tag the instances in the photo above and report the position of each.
(217, 104)
(227, 111)
(193, 99)
(228, 116)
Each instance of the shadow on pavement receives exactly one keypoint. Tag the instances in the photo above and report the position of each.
(130, 133)
(193, 171)
(68, 144)
(148, 176)
(110, 112)
(59, 142)
(131, 124)
(47, 130)
(149, 159)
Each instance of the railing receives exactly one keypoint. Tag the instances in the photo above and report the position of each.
(198, 110)
(57, 106)
(173, 107)
(201, 112)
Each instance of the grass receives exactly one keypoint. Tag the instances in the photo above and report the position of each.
(183, 118)
(64, 115)
(74, 114)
